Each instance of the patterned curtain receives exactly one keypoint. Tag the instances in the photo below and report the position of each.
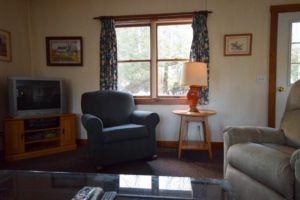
(108, 56)
(200, 49)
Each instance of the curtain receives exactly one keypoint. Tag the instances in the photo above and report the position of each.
(200, 48)
(108, 56)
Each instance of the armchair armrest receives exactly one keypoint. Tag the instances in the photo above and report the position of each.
(243, 134)
(295, 158)
(234, 135)
(295, 164)
(149, 119)
(93, 126)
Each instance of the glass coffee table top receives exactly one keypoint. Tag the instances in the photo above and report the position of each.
(64, 186)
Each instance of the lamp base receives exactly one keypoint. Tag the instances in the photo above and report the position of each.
(193, 97)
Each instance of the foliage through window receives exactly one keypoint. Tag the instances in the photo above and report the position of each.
(150, 58)
(173, 46)
(295, 53)
(133, 44)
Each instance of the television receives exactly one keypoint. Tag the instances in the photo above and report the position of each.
(31, 96)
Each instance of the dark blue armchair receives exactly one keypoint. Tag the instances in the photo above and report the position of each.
(117, 132)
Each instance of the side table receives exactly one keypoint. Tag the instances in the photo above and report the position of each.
(186, 117)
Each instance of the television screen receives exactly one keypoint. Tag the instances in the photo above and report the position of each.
(38, 94)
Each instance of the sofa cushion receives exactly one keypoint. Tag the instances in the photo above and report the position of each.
(124, 132)
(268, 164)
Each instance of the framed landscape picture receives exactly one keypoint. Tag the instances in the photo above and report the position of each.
(5, 46)
(238, 44)
(64, 51)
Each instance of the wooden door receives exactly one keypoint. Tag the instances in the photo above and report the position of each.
(275, 11)
(14, 137)
(67, 124)
(288, 59)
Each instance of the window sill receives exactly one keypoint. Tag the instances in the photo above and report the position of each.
(160, 101)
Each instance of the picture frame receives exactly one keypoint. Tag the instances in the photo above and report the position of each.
(238, 44)
(64, 51)
(5, 46)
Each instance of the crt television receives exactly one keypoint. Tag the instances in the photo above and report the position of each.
(30, 96)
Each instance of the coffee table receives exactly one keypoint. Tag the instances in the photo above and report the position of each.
(64, 185)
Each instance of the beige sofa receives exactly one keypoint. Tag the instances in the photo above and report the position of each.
(264, 163)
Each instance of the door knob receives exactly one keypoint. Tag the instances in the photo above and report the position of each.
(280, 89)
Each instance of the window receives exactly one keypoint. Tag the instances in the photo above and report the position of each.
(173, 48)
(134, 60)
(295, 53)
(150, 58)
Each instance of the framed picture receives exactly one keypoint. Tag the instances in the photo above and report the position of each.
(64, 51)
(238, 44)
(5, 46)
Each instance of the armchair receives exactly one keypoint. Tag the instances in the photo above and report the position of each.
(264, 163)
(115, 131)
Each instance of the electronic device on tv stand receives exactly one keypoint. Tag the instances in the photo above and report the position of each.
(35, 96)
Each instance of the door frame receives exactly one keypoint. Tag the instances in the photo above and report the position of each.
(275, 11)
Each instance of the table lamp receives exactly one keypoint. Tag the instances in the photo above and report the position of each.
(194, 75)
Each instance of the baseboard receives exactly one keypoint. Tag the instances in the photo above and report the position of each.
(174, 144)
(166, 144)
(81, 141)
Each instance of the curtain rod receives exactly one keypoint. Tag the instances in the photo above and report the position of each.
(153, 16)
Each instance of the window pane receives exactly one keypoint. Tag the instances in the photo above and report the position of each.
(133, 43)
(295, 73)
(296, 32)
(174, 41)
(169, 79)
(134, 78)
(295, 53)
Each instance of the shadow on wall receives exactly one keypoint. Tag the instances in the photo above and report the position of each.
(3, 106)
(3, 101)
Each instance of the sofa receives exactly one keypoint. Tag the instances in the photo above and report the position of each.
(116, 131)
(262, 162)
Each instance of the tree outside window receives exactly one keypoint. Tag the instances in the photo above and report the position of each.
(142, 64)
(295, 53)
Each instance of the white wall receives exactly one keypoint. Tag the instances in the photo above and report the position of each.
(13, 18)
(234, 92)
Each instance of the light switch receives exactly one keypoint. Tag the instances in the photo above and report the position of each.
(261, 78)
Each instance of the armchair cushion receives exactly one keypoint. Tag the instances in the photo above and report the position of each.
(124, 132)
(268, 164)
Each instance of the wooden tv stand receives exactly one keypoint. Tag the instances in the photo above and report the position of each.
(30, 137)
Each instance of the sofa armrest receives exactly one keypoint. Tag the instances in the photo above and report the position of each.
(242, 134)
(149, 119)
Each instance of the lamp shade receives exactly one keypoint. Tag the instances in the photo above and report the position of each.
(194, 73)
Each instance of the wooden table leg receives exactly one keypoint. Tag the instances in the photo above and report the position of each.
(207, 137)
(181, 135)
